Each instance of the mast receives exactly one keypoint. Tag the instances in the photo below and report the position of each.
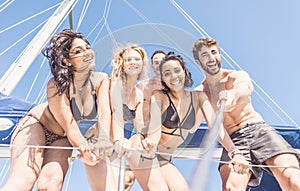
(19, 67)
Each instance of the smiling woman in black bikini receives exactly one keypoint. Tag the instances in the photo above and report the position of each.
(175, 112)
(75, 93)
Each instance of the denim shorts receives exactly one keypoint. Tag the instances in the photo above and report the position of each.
(258, 142)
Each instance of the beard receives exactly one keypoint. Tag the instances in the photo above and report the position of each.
(212, 71)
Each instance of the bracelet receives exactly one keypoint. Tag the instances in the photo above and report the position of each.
(233, 152)
(142, 135)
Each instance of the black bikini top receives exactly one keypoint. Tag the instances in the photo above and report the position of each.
(74, 108)
(128, 114)
(170, 118)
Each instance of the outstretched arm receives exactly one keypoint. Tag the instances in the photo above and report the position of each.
(238, 87)
(104, 111)
(60, 108)
(216, 121)
(117, 112)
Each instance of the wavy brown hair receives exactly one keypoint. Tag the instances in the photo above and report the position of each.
(205, 41)
(57, 51)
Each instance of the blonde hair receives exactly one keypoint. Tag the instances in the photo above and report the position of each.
(118, 63)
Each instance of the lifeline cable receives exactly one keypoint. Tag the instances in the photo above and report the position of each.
(200, 157)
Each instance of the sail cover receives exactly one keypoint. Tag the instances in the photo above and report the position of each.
(11, 110)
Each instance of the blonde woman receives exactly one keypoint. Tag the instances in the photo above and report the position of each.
(129, 66)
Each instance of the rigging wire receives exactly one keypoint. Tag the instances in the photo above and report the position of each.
(103, 18)
(20, 39)
(5, 4)
(94, 28)
(204, 33)
(107, 8)
(35, 79)
(99, 32)
(42, 93)
(155, 28)
(200, 157)
(83, 12)
(4, 171)
(24, 20)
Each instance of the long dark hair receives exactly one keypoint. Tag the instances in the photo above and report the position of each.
(188, 82)
(57, 52)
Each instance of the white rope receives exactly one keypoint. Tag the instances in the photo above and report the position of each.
(20, 39)
(93, 29)
(111, 35)
(104, 19)
(38, 146)
(220, 161)
(107, 8)
(24, 20)
(263, 92)
(155, 28)
(83, 12)
(42, 94)
(5, 4)
(290, 118)
(4, 171)
(200, 157)
(190, 19)
(203, 33)
(99, 32)
(35, 79)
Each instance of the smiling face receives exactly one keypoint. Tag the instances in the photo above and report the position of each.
(209, 59)
(173, 75)
(82, 56)
(132, 63)
(156, 60)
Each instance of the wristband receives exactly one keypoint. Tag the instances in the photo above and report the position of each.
(141, 134)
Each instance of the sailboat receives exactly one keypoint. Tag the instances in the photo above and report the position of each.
(157, 24)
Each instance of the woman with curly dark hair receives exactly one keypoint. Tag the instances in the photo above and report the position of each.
(75, 94)
(175, 113)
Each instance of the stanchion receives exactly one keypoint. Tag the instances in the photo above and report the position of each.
(198, 181)
(121, 182)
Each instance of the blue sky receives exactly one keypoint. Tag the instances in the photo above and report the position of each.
(262, 37)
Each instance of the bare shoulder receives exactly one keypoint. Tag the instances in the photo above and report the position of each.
(51, 82)
(98, 77)
(51, 87)
(158, 93)
(200, 95)
(160, 96)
